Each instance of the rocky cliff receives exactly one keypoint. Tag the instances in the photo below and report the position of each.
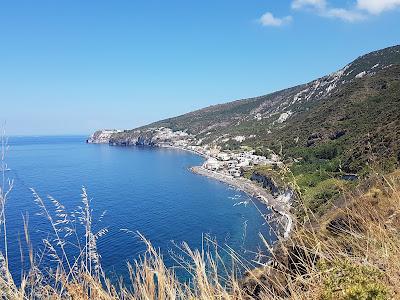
(102, 136)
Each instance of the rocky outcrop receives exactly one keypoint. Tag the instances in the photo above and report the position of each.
(102, 136)
(132, 138)
(267, 183)
(141, 137)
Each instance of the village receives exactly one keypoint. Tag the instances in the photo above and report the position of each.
(227, 166)
(230, 163)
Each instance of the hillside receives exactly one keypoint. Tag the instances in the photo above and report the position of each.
(266, 111)
(329, 132)
(353, 108)
(329, 135)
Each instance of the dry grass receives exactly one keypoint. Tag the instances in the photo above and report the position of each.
(352, 252)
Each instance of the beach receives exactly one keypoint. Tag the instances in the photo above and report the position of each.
(280, 204)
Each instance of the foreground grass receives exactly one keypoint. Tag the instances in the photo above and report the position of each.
(351, 252)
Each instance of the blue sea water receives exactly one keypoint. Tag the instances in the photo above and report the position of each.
(149, 190)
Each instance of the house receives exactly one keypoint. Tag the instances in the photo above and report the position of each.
(235, 172)
(244, 162)
(212, 164)
(232, 163)
(224, 156)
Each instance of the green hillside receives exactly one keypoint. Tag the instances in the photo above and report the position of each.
(353, 113)
(328, 132)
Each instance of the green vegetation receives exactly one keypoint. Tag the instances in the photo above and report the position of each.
(315, 172)
(351, 129)
(317, 176)
(348, 281)
(268, 171)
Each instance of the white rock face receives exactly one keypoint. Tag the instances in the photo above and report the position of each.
(239, 138)
(284, 116)
(321, 87)
(102, 136)
(258, 117)
(361, 75)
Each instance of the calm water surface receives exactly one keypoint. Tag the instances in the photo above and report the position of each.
(141, 189)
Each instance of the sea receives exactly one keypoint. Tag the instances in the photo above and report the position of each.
(132, 190)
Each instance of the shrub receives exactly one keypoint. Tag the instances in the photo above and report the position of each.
(327, 150)
(344, 280)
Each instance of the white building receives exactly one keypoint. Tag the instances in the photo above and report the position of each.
(224, 156)
(244, 162)
(212, 164)
(235, 172)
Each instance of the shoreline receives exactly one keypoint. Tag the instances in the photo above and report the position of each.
(279, 205)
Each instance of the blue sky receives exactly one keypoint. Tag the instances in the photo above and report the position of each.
(70, 67)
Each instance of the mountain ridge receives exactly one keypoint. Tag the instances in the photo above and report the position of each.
(262, 122)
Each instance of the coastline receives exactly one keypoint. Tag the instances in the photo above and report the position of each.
(279, 205)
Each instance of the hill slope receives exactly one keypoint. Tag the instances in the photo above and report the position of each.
(356, 108)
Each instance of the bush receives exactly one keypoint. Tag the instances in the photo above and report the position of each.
(345, 280)
(327, 151)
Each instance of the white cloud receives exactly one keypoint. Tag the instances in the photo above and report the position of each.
(268, 19)
(377, 6)
(298, 4)
(343, 14)
(323, 9)
(357, 11)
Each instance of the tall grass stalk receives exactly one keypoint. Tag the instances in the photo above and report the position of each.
(351, 252)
